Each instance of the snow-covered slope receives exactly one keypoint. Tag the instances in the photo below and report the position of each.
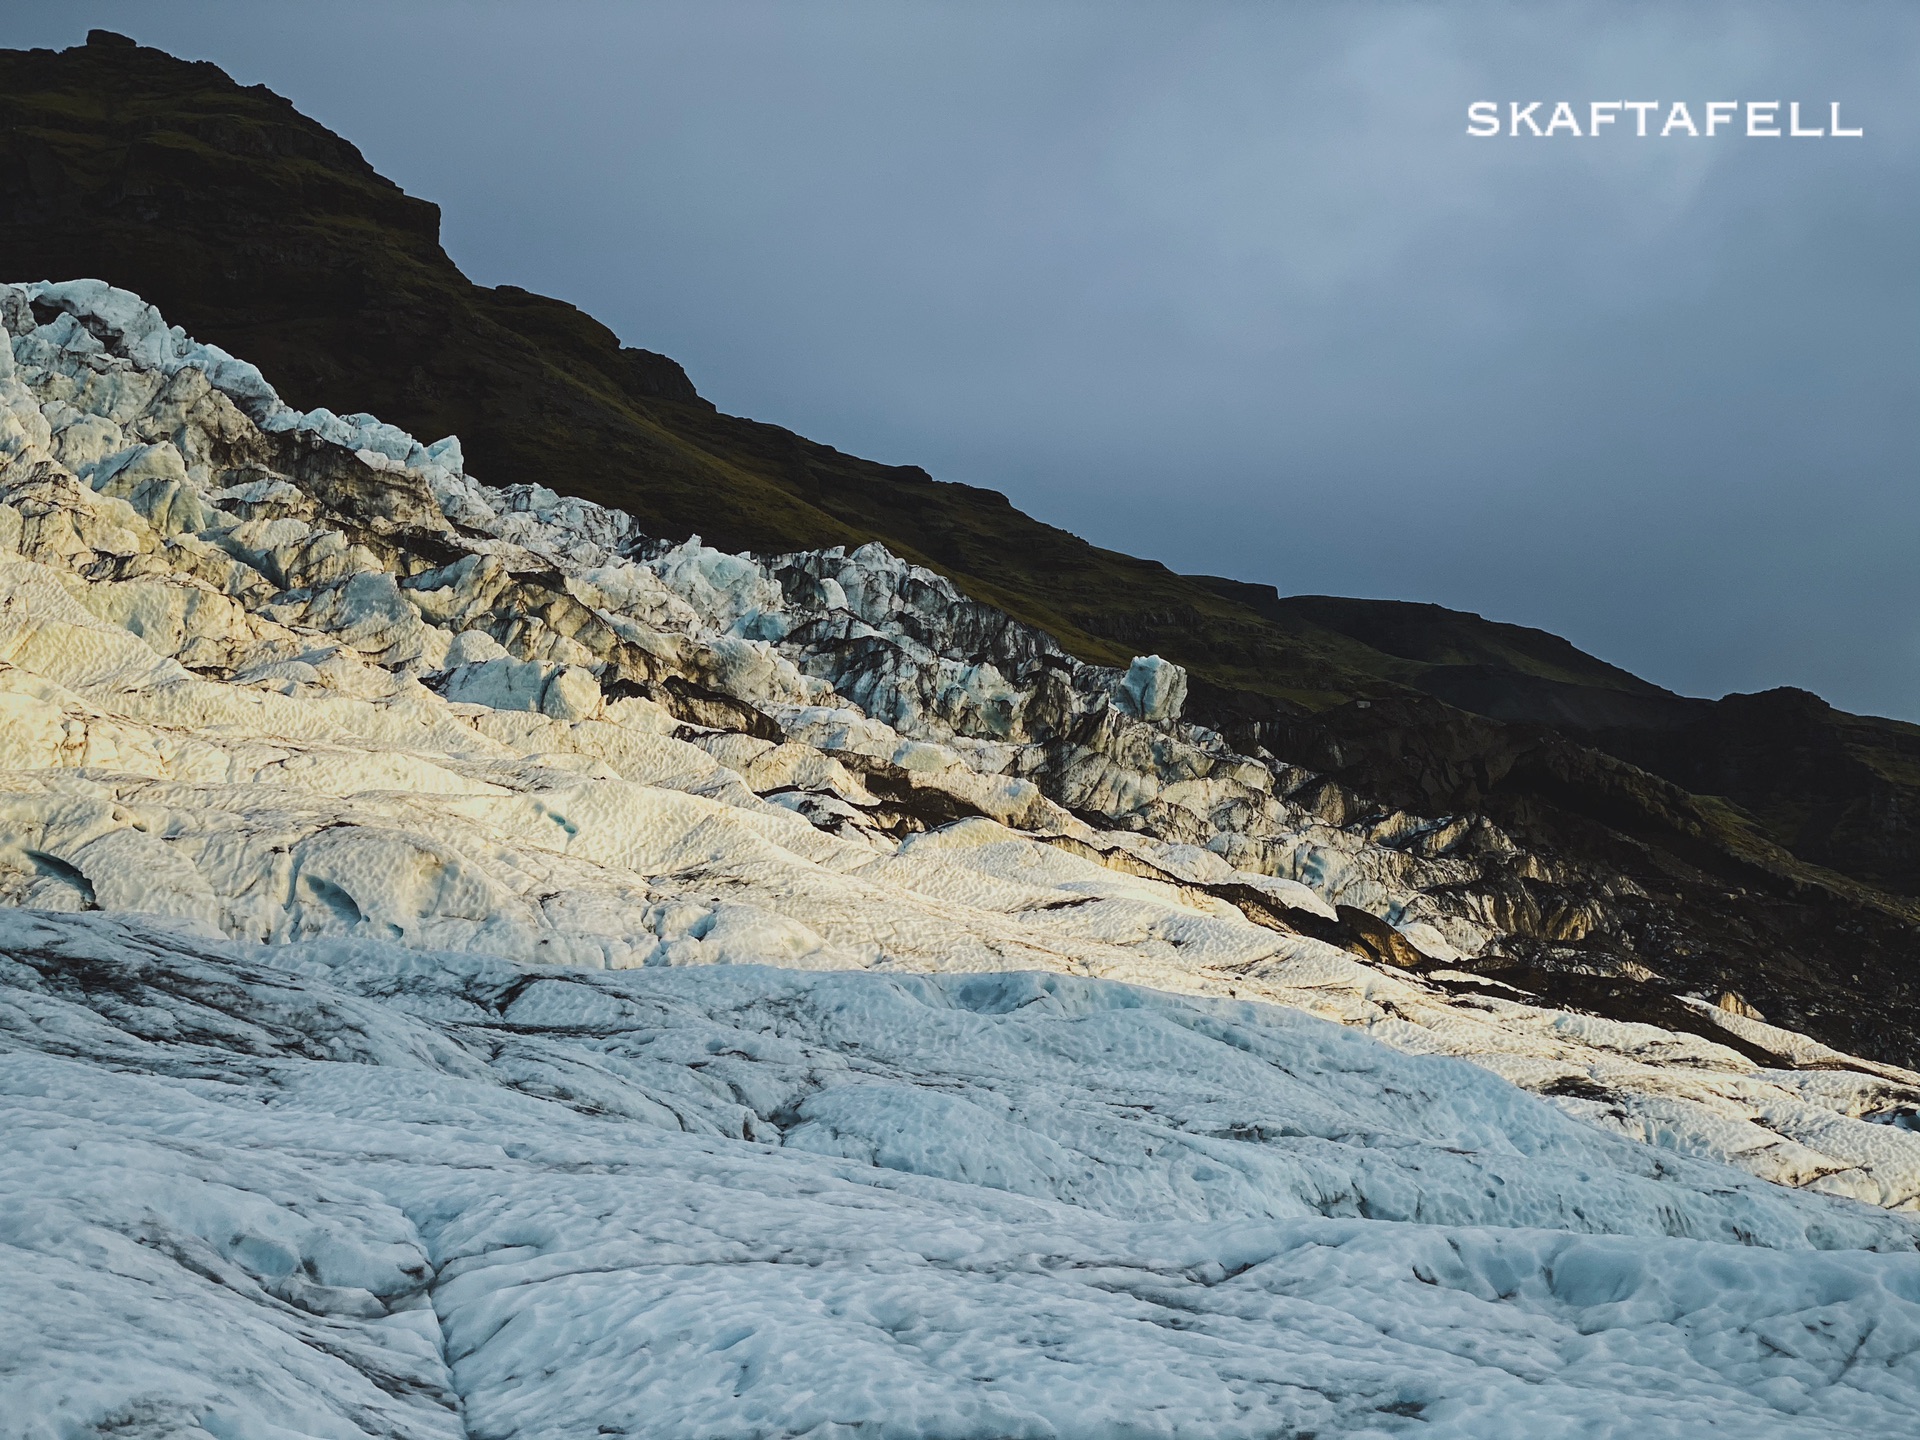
(344, 741)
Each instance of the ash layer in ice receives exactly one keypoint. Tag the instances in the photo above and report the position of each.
(350, 740)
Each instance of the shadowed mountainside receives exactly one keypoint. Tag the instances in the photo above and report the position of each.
(1772, 844)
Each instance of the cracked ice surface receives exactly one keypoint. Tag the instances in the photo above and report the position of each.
(344, 1188)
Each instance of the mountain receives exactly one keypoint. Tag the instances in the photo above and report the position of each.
(1770, 842)
(264, 233)
(471, 965)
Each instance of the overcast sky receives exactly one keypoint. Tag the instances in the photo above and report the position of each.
(1228, 284)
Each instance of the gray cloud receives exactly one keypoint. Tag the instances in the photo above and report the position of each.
(1228, 284)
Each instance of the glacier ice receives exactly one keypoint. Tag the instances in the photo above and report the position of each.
(399, 862)
(399, 1192)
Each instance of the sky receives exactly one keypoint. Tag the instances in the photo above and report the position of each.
(1229, 284)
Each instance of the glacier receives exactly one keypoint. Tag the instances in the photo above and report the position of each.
(472, 968)
(343, 1188)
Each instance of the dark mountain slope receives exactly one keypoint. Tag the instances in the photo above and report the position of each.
(1838, 790)
(263, 232)
(1505, 672)
(260, 230)
(1834, 790)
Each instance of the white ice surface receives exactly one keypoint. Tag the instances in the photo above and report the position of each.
(343, 1188)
